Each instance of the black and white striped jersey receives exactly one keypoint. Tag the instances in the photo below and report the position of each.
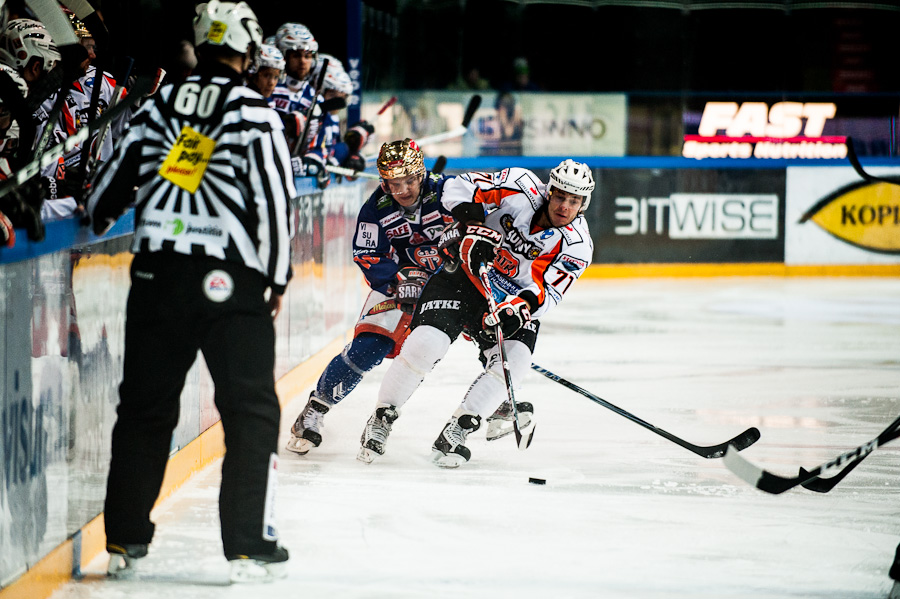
(213, 176)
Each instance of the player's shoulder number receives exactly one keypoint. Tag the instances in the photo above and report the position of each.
(198, 100)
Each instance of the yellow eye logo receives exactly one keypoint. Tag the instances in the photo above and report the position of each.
(863, 214)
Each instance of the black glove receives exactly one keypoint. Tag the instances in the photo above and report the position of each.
(22, 206)
(511, 315)
(315, 167)
(410, 281)
(478, 247)
(448, 245)
(354, 162)
(358, 135)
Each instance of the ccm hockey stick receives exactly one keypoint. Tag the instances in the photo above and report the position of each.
(742, 441)
(854, 162)
(775, 484)
(524, 430)
(141, 86)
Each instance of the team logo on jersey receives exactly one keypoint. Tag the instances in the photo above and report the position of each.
(188, 159)
(218, 286)
(572, 264)
(517, 241)
(426, 257)
(526, 184)
(416, 239)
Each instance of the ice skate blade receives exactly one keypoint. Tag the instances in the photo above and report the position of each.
(497, 429)
(250, 570)
(442, 460)
(367, 455)
(299, 445)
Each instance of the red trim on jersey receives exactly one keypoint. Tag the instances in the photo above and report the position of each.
(493, 196)
(539, 268)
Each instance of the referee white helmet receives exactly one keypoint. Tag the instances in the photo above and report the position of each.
(574, 177)
(230, 24)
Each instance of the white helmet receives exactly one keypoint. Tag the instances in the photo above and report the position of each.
(229, 24)
(24, 39)
(574, 177)
(336, 78)
(269, 56)
(294, 36)
(16, 78)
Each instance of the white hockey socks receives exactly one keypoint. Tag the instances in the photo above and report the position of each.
(424, 348)
(489, 389)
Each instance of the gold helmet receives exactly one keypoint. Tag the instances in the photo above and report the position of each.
(400, 159)
(81, 31)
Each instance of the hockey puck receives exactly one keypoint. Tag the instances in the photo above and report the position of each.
(537, 481)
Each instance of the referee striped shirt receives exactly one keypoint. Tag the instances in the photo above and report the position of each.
(213, 176)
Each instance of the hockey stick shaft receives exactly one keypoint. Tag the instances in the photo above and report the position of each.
(523, 439)
(300, 146)
(349, 172)
(775, 484)
(391, 101)
(857, 166)
(141, 86)
(742, 441)
(823, 485)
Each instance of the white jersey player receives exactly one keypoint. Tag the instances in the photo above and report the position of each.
(534, 241)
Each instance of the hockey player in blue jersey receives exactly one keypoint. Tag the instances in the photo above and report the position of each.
(395, 246)
(293, 96)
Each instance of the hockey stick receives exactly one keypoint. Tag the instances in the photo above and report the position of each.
(854, 162)
(439, 165)
(775, 484)
(141, 86)
(823, 485)
(524, 432)
(309, 111)
(742, 441)
(391, 101)
(459, 131)
(349, 172)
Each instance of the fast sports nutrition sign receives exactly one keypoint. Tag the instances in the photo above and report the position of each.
(765, 130)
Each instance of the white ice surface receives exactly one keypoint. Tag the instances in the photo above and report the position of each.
(813, 363)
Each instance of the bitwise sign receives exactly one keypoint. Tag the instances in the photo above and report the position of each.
(680, 216)
(763, 130)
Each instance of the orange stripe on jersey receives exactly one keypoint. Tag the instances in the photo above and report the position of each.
(539, 267)
(493, 196)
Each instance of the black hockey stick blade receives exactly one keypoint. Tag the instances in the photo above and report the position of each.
(524, 434)
(471, 109)
(741, 441)
(854, 162)
(776, 484)
(439, 165)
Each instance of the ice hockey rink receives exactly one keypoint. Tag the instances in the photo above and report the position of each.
(814, 363)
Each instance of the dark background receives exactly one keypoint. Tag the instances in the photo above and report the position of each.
(794, 46)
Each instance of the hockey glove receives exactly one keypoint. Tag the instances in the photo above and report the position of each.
(511, 315)
(358, 135)
(294, 123)
(478, 247)
(448, 245)
(354, 162)
(410, 281)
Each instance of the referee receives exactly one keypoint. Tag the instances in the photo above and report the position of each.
(212, 259)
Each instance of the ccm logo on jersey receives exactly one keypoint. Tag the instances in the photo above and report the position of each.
(526, 184)
(572, 264)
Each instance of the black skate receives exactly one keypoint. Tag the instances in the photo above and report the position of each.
(306, 432)
(501, 422)
(449, 450)
(123, 558)
(259, 568)
(376, 433)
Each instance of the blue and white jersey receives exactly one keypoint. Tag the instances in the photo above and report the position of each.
(388, 237)
(287, 100)
(327, 136)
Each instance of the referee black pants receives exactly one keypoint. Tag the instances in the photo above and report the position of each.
(170, 316)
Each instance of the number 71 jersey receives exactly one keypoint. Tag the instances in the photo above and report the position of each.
(543, 261)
